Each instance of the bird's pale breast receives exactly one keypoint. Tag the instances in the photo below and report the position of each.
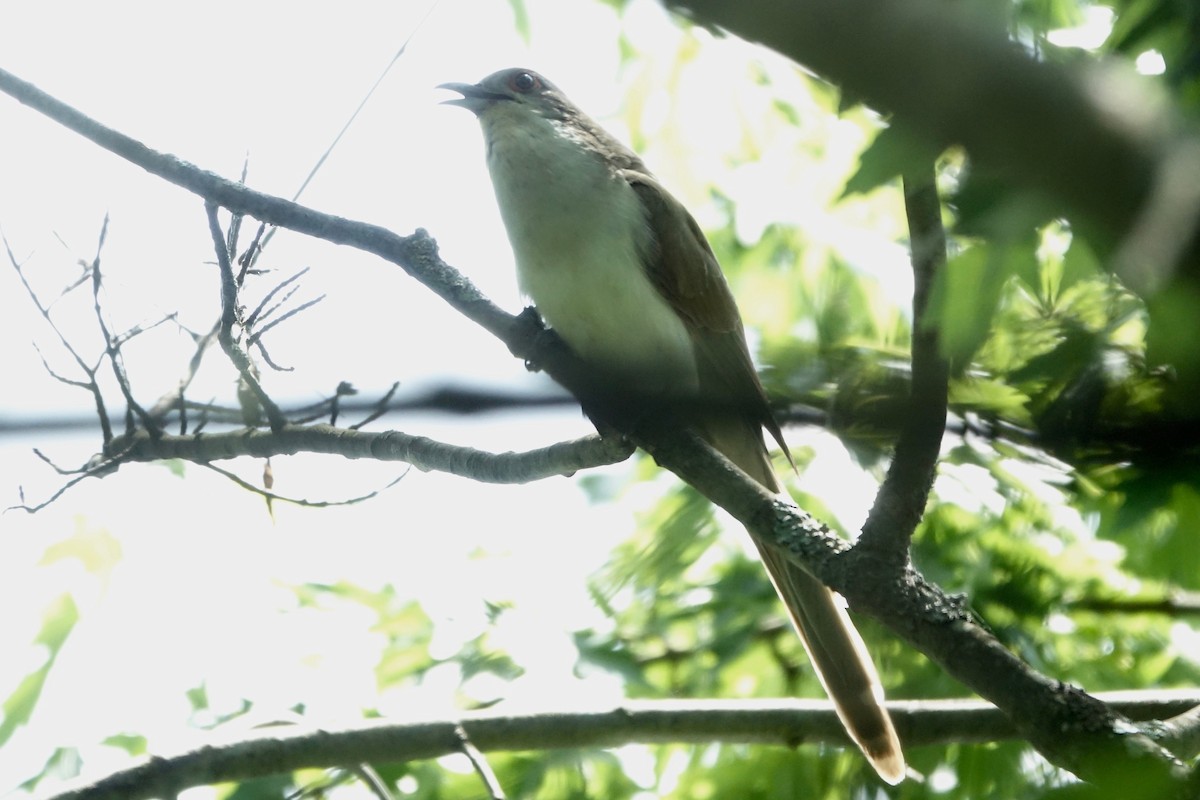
(579, 233)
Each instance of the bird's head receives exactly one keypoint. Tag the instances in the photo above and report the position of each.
(515, 90)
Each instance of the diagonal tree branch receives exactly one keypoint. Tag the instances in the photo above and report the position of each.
(416, 254)
(1071, 728)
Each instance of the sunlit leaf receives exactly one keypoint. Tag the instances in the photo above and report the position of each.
(57, 623)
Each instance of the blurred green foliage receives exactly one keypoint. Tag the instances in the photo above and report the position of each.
(1065, 480)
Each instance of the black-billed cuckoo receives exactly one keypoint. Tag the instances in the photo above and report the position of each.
(620, 270)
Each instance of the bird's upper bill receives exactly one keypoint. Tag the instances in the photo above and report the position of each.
(518, 85)
(475, 98)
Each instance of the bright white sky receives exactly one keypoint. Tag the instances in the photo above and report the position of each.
(199, 593)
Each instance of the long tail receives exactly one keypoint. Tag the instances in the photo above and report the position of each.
(833, 644)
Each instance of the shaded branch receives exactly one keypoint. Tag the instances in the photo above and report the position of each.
(1071, 728)
(1101, 144)
(787, 723)
(1174, 603)
(954, 77)
(900, 502)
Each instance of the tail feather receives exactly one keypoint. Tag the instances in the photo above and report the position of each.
(841, 662)
(833, 644)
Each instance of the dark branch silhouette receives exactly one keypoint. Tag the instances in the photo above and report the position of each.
(900, 502)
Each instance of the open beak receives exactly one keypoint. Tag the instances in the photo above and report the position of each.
(474, 97)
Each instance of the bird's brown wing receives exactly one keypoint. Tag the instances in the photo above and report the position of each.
(681, 265)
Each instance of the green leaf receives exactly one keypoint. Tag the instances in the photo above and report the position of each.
(131, 743)
(57, 623)
(964, 298)
(892, 153)
(63, 764)
(520, 19)
(98, 551)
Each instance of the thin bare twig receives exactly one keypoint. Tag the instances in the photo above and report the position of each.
(253, 316)
(373, 781)
(138, 329)
(344, 389)
(87, 385)
(229, 318)
(258, 334)
(380, 408)
(175, 397)
(98, 466)
(480, 763)
(354, 114)
(112, 346)
(235, 223)
(90, 371)
(266, 356)
(247, 259)
(299, 501)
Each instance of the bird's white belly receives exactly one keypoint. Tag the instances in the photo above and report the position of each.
(599, 300)
(576, 235)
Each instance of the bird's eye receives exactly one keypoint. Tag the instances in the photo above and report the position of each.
(524, 82)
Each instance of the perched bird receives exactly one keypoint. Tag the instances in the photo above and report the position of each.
(618, 268)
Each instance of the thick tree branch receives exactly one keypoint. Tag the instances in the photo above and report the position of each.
(1071, 728)
(1074, 730)
(788, 722)
(563, 458)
